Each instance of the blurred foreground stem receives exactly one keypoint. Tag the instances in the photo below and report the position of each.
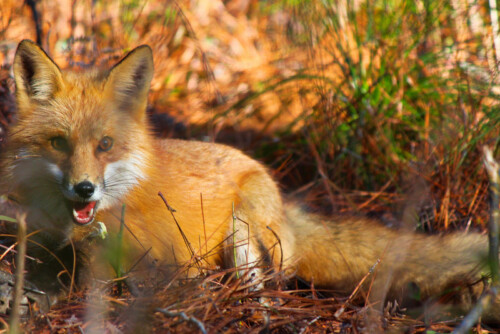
(18, 288)
(493, 169)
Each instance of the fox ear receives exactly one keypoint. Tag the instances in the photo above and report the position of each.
(129, 81)
(37, 77)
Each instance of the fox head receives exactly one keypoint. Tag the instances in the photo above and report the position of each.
(80, 140)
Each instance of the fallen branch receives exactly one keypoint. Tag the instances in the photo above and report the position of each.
(184, 317)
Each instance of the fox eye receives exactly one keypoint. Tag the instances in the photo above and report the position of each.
(59, 144)
(105, 144)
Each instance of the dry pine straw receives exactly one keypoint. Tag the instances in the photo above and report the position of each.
(216, 303)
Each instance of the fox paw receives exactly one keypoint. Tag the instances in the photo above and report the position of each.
(32, 300)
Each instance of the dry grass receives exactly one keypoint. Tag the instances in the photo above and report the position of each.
(355, 108)
(216, 304)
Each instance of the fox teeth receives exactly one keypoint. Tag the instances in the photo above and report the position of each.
(83, 220)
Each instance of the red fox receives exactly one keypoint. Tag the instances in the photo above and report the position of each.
(82, 147)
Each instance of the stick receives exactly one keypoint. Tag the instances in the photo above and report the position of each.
(18, 287)
(474, 314)
(184, 317)
(493, 169)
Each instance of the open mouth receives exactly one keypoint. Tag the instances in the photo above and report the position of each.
(84, 212)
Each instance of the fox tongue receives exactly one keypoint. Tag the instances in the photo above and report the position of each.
(83, 212)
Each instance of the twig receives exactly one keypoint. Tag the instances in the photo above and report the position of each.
(136, 263)
(184, 237)
(355, 291)
(119, 266)
(184, 317)
(495, 29)
(15, 252)
(48, 251)
(234, 245)
(73, 270)
(204, 227)
(279, 243)
(5, 325)
(18, 287)
(309, 324)
(493, 169)
(476, 311)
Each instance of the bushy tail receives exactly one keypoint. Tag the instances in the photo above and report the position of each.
(337, 252)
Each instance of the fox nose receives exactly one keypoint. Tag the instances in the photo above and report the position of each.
(85, 189)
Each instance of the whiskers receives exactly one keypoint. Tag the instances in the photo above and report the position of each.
(118, 183)
(37, 177)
